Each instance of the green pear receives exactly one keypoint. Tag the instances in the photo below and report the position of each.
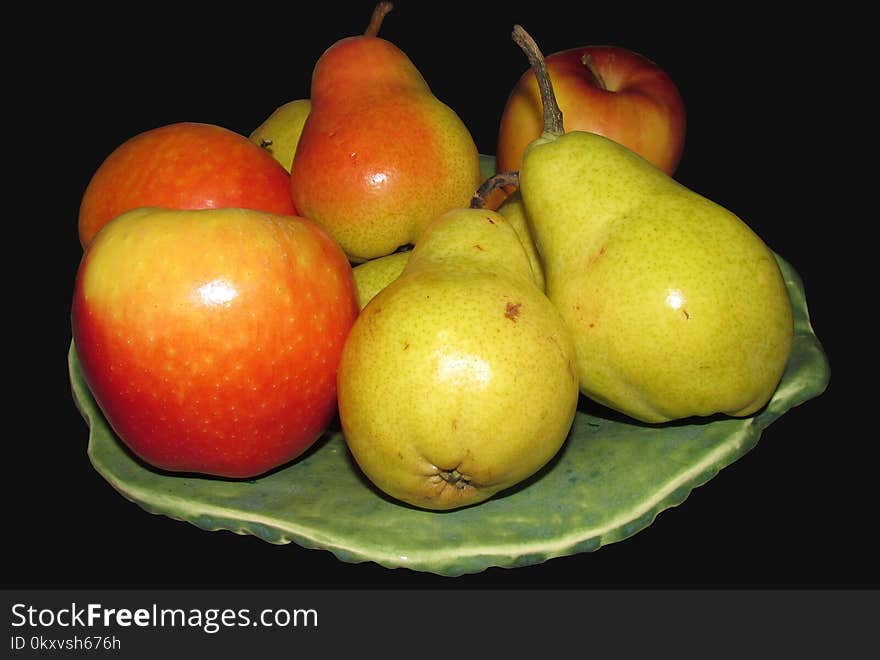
(370, 277)
(279, 133)
(457, 380)
(677, 308)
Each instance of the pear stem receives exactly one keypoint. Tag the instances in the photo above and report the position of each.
(379, 13)
(552, 113)
(478, 201)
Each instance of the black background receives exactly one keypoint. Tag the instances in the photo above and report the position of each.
(792, 513)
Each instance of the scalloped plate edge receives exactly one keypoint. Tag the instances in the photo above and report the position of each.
(477, 559)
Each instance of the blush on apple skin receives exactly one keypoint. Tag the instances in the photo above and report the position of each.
(608, 90)
(187, 165)
(210, 339)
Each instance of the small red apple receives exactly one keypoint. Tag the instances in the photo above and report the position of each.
(210, 339)
(187, 165)
(607, 90)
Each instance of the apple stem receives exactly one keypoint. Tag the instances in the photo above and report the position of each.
(587, 61)
(552, 113)
(478, 201)
(379, 13)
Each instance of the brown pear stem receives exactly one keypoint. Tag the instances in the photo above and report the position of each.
(379, 13)
(552, 113)
(478, 201)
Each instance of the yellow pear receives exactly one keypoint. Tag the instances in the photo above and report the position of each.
(279, 133)
(457, 381)
(374, 275)
(370, 277)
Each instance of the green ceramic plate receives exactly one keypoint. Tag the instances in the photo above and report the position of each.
(609, 481)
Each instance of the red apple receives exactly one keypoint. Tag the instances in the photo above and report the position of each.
(607, 90)
(186, 165)
(210, 339)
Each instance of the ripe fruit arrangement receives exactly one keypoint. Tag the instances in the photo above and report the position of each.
(222, 334)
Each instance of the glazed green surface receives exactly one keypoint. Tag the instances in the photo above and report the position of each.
(609, 481)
